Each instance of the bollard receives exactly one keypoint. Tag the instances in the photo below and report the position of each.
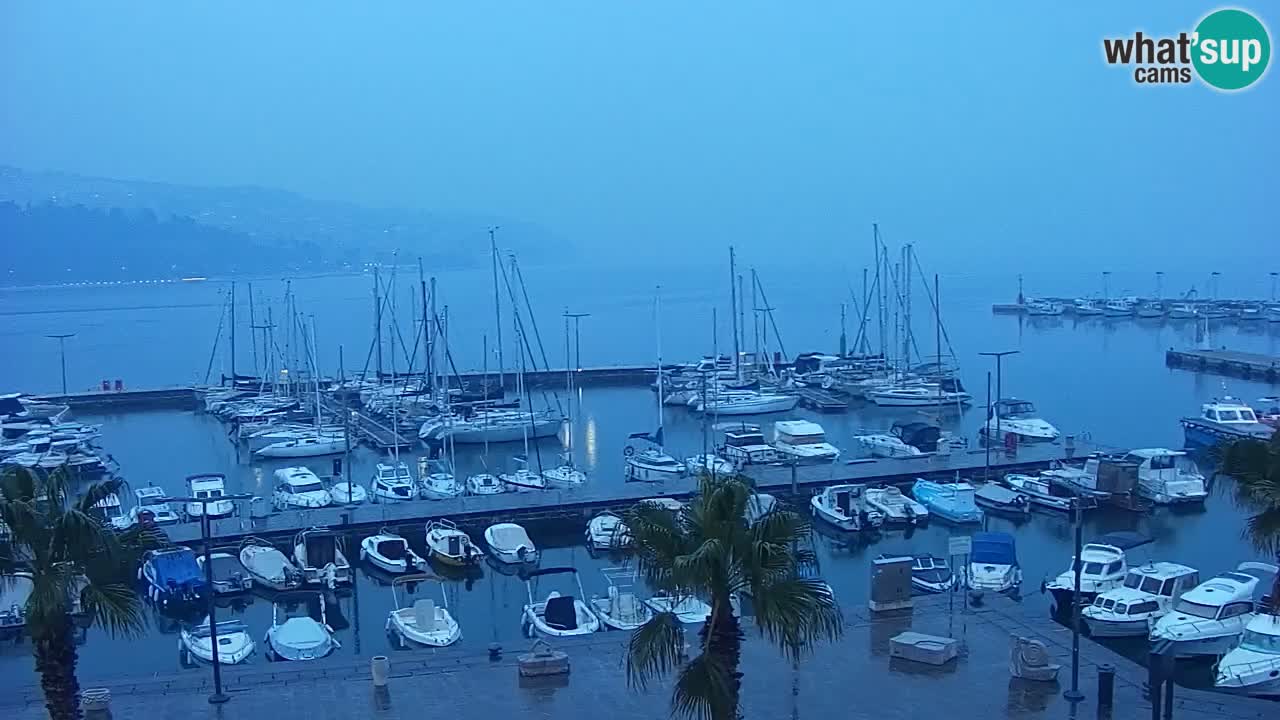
(380, 667)
(1106, 685)
(495, 652)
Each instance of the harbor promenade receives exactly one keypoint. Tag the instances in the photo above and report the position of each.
(853, 677)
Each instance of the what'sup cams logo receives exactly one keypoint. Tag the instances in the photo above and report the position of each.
(1228, 50)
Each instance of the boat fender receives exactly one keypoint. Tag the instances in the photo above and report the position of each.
(628, 451)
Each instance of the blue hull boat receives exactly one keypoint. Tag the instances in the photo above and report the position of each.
(950, 501)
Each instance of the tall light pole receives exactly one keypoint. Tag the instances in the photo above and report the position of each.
(218, 697)
(62, 352)
(1073, 694)
(993, 420)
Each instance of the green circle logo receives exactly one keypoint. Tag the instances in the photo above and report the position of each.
(1232, 49)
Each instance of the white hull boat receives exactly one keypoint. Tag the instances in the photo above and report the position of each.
(688, 610)
(299, 488)
(424, 622)
(606, 531)
(318, 554)
(523, 480)
(564, 477)
(484, 484)
(1147, 594)
(1018, 418)
(559, 615)
(510, 544)
(313, 446)
(844, 507)
(802, 441)
(651, 465)
(450, 545)
(347, 493)
(392, 482)
(390, 553)
(1209, 618)
(492, 427)
(884, 445)
(620, 608)
(709, 464)
(896, 507)
(747, 403)
(269, 567)
(303, 637)
(210, 487)
(1253, 666)
(229, 574)
(235, 644)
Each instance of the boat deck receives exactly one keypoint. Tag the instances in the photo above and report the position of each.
(1231, 363)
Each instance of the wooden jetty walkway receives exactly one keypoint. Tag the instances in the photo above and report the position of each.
(1231, 363)
(824, 401)
(580, 504)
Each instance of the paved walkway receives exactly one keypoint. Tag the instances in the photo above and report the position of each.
(854, 678)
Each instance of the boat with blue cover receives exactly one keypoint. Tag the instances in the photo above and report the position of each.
(993, 563)
(173, 577)
(950, 501)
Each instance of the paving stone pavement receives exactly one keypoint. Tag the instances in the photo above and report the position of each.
(851, 678)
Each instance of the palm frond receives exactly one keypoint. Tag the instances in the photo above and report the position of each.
(655, 648)
(96, 493)
(705, 690)
(1263, 530)
(795, 613)
(50, 601)
(115, 607)
(706, 563)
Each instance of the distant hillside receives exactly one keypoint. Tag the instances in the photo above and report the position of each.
(60, 226)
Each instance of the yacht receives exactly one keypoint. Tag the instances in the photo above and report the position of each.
(884, 445)
(484, 484)
(944, 392)
(151, 506)
(745, 402)
(523, 479)
(1038, 491)
(1207, 619)
(392, 481)
(1084, 306)
(210, 487)
(437, 480)
(1044, 308)
(896, 507)
(1167, 477)
(803, 441)
(651, 465)
(1117, 308)
(267, 566)
(299, 488)
(313, 444)
(745, 445)
(1019, 418)
(491, 426)
(1102, 567)
(993, 563)
(1183, 311)
(1224, 420)
(1253, 666)
(844, 507)
(1146, 595)
(950, 501)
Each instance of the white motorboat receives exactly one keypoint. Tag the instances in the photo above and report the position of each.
(235, 644)
(318, 553)
(347, 493)
(651, 465)
(210, 486)
(885, 445)
(229, 574)
(930, 573)
(1083, 306)
(559, 615)
(1044, 308)
(1037, 491)
(1151, 310)
(449, 545)
(1253, 666)
(509, 543)
(484, 484)
(491, 426)
(844, 507)
(437, 480)
(993, 564)
(606, 531)
(803, 441)
(758, 506)
(688, 610)
(315, 444)
(564, 476)
(523, 479)
(621, 608)
(1168, 477)
(424, 622)
(1183, 311)
(745, 445)
(392, 482)
(1103, 566)
(1147, 594)
(1117, 308)
(152, 507)
(895, 506)
(745, 402)
(299, 627)
(268, 566)
(944, 392)
(1018, 418)
(1209, 618)
(391, 553)
(1224, 420)
(710, 464)
(299, 488)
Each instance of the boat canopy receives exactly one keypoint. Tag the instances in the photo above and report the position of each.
(920, 435)
(993, 548)
(321, 548)
(1123, 539)
(176, 567)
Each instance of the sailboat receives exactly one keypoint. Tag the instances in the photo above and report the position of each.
(652, 464)
(319, 441)
(566, 474)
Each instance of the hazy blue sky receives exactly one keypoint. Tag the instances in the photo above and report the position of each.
(991, 134)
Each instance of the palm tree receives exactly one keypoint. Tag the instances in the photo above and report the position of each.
(1255, 465)
(77, 565)
(708, 550)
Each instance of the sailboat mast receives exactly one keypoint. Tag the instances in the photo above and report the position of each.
(315, 374)
(733, 308)
(906, 305)
(431, 345)
(568, 383)
(497, 304)
(233, 333)
(742, 320)
(879, 285)
(755, 324)
(657, 322)
(426, 328)
(253, 340)
(377, 319)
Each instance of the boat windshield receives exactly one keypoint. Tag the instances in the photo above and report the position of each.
(306, 487)
(1019, 410)
(1260, 642)
(1194, 609)
(803, 439)
(1133, 581)
(1090, 568)
(1228, 416)
(1247, 416)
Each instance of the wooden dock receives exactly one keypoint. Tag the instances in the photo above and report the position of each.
(1231, 363)
(824, 401)
(578, 505)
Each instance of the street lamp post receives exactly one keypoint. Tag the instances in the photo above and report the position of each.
(62, 353)
(993, 419)
(218, 697)
(1074, 694)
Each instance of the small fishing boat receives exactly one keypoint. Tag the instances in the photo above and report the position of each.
(564, 475)
(884, 445)
(1208, 619)
(844, 507)
(392, 482)
(1151, 310)
(652, 464)
(1167, 477)
(235, 644)
(559, 615)
(1147, 594)
(299, 628)
(1086, 307)
(896, 507)
(210, 486)
(1044, 308)
(1183, 311)
(268, 566)
(318, 553)
(484, 484)
(803, 441)
(1103, 566)
(299, 488)
(152, 507)
(993, 563)
(1224, 420)
(390, 553)
(620, 608)
(450, 545)
(424, 622)
(688, 610)
(347, 493)
(229, 575)
(1038, 491)
(952, 501)
(1253, 666)
(930, 574)
(173, 577)
(509, 543)
(438, 480)
(606, 531)
(744, 445)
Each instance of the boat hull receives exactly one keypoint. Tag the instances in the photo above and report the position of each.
(782, 403)
(1115, 628)
(499, 433)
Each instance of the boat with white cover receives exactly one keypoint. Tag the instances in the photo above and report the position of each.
(318, 553)
(523, 479)
(1103, 566)
(1147, 594)
(235, 644)
(711, 464)
(652, 464)
(299, 488)
(803, 441)
(209, 486)
(268, 566)
(1208, 619)
(744, 402)
(509, 543)
(993, 564)
(1253, 666)
(484, 484)
(558, 615)
(347, 493)
(299, 628)
(1019, 418)
(884, 445)
(606, 531)
(424, 622)
(621, 608)
(896, 507)
(450, 545)
(229, 575)
(392, 482)
(1000, 500)
(314, 444)
(844, 507)
(391, 553)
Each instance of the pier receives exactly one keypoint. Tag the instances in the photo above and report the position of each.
(1231, 363)
(824, 401)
